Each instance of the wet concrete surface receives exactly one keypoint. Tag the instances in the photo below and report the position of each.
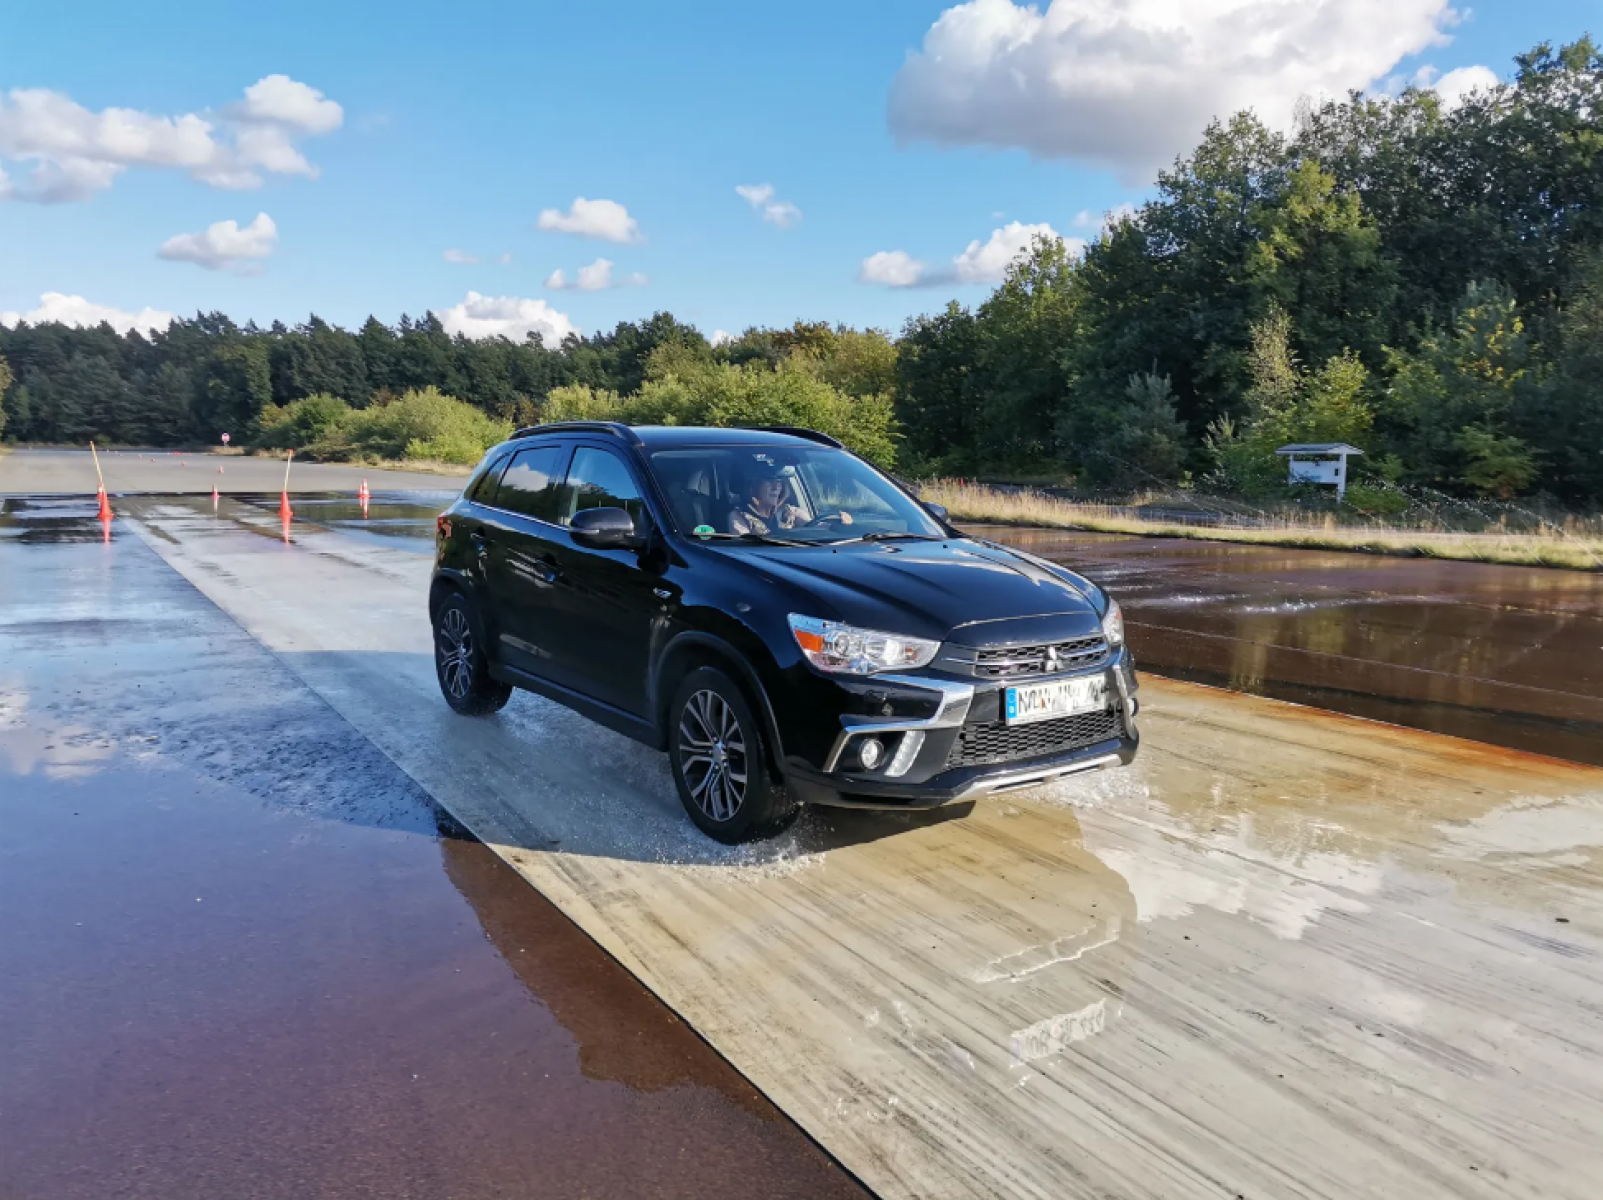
(244, 955)
(1287, 954)
(72, 472)
(1507, 655)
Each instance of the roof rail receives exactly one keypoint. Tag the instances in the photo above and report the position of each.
(615, 428)
(811, 435)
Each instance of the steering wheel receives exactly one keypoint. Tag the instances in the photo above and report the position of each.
(834, 522)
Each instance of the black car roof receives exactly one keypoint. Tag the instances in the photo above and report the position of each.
(659, 437)
(656, 437)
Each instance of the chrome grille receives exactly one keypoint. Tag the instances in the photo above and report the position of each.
(1054, 658)
(980, 743)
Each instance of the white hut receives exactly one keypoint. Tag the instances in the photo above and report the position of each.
(1320, 462)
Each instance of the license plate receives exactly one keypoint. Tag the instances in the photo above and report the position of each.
(1060, 698)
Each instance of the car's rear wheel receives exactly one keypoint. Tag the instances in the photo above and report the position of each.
(459, 662)
(720, 761)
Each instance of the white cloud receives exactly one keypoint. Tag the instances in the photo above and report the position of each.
(892, 268)
(604, 219)
(74, 152)
(1456, 86)
(280, 100)
(55, 307)
(224, 245)
(1086, 219)
(764, 199)
(721, 337)
(594, 278)
(1133, 84)
(980, 262)
(988, 261)
(512, 317)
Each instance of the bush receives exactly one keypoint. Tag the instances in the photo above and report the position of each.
(298, 425)
(420, 425)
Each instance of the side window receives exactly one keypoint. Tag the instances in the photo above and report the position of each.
(482, 489)
(532, 483)
(598, 479)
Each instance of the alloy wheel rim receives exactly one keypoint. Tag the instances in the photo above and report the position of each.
(712, 755)
(454, 649)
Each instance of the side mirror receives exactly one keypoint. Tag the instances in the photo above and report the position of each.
(938, 511)
(605, 529)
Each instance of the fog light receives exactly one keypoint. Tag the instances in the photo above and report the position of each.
(911, 744)
(870, 752)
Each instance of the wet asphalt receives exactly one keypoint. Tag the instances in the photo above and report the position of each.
(1511, 656)
(244, 955)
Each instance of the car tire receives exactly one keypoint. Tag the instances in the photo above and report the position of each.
(719, 753)
(460, 664)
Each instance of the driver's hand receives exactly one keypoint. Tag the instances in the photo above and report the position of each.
(845, 518)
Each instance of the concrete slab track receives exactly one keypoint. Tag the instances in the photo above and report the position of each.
(1288, 954)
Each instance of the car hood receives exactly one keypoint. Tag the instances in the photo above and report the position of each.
(967, 591)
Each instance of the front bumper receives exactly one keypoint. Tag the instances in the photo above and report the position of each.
(951, 709)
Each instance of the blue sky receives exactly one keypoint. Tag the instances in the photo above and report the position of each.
(459, 125)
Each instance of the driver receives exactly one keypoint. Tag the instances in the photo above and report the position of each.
(765, 510)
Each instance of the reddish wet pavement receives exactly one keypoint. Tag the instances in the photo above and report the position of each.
(1507, 655)
(245, 956)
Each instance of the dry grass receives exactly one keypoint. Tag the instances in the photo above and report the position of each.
(417, 466)
(1579, 547)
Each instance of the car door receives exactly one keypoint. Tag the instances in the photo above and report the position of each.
(609, 599)
(519, 541)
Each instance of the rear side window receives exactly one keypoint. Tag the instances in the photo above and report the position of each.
(481, 490)
(532, 484)
(598, 479)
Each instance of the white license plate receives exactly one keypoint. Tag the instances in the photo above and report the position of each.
(1060, 698)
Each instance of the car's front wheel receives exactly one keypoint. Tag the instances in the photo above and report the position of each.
(459, 662)
(720, 761)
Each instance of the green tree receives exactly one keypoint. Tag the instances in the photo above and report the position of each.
(935, 393)
(1287, 404)
(1139, 443)
(236, 384)
(1318, 258)
(1020, 383)
(5, 382)
(1566, 422)
(1476, 373)
(754, 394)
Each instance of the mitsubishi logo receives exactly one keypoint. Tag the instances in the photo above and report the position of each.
(1053, 663)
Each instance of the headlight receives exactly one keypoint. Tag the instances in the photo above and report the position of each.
(1113, 624)
(848, 651)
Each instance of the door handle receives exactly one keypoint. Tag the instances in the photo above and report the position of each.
(662, 593)
(546, 568)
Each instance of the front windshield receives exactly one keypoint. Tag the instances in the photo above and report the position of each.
(794, 494)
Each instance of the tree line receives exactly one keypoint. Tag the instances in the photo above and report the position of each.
(1423, 281)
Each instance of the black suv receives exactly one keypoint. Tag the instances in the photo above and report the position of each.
(788, 623)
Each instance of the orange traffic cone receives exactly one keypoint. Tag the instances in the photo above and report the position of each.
(105, 506)
(216, 499)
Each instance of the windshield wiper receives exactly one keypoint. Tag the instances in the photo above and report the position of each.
(891, 535)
